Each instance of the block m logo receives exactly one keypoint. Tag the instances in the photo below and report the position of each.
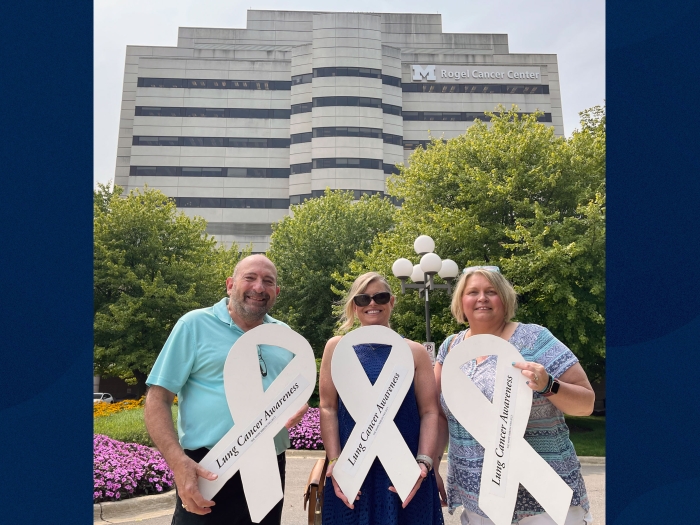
(420, 72)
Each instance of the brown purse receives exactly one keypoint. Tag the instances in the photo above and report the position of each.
(313, 494)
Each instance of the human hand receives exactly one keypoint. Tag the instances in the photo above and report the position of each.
(536, 374)
(423, 474)
(187, 475)
(296, 418)
(336, 488)
(441, 488)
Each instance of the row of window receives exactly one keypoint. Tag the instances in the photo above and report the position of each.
(178, 171)
(413, 144)
(456, 116)
(216, 202)
(357, 194)
(226, 142)
(366, 102)
(238, 228)
(152, 111)
(190, 83)
(317, 164)
(373, 133)
(475, 88)
(266, 85)
(464, 116)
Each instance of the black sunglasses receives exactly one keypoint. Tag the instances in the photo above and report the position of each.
(379, 298)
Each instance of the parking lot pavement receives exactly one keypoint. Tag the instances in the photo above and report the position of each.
(299, 465)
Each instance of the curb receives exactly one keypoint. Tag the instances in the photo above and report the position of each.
(592, 460)
(116, 511)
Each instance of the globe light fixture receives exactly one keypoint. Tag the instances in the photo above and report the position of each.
(422, 275)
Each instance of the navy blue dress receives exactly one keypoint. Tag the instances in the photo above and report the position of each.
(377, 505)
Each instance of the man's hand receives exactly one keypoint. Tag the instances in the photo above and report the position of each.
(186, 478)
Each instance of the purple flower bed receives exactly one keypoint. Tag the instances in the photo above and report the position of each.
(124, 470)
(307, 434)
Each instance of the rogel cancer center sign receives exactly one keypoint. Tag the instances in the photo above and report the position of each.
(476, 74)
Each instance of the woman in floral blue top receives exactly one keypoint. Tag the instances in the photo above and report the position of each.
(485, 300)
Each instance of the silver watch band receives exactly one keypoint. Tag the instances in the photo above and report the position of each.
(426, 460)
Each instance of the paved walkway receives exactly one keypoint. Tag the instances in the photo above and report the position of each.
(158, 510)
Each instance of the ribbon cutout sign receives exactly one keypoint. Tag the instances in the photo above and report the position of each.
(500, 428)
(373, 408)
(258, 416)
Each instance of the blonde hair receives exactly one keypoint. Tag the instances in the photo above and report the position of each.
(358, 287)
(503, 288)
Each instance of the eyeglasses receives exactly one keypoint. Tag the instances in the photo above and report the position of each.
(487, 268)
(263, 366)
(363, 299)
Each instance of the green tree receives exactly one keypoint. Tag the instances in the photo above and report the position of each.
(152, 264)
(321, 237)
(512, 194)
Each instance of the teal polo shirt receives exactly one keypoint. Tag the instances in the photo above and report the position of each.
(191, 365)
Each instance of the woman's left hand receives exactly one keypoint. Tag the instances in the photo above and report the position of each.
(423, 474)
(535, 373)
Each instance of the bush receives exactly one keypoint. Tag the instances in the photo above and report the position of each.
(127, 426)
(124, 470)
(307, 434)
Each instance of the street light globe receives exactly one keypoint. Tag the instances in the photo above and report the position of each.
(430, 263)
(423, 244)
(402, 268)
(449, 269)
(417, 275)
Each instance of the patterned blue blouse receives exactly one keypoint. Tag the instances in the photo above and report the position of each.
(546, 431)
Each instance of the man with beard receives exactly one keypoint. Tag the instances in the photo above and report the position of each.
(191, 365)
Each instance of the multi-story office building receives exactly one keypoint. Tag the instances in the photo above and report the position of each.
(237, 124)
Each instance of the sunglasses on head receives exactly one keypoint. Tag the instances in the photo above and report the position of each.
(363, 299)
(487, 268)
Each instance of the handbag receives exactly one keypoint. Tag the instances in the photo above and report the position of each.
(313, 494)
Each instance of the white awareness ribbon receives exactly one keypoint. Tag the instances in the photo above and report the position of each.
(499, 427)
(258, 416)
(373, 408)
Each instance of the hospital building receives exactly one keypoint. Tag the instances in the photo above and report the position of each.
(237, 125)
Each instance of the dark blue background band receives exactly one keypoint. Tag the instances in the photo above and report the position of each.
(46, 262)
(653, 254)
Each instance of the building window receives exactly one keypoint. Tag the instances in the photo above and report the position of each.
(370, 164)
(301, 108)
(214, 83)
(391, 110)
(302, 79)
(390, 169)
(216, 202)
(299, 138)
(459, 117)
(365, 102)
(392, 139)
(177, 171)
(391, 81)
(372, 133)
(364, 72)
(476, 88)
(296, 169)
(150, 111)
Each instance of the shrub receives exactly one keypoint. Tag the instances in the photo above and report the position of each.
(307, 434)
(124, 470)
(127, 426)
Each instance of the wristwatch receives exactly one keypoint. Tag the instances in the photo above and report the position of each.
(553, 388)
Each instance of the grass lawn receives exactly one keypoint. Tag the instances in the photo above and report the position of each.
(587, 434)
(126, 426)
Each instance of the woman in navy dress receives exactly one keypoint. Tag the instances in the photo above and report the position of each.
(370, 302)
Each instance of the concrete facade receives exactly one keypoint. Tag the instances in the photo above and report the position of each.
(238, 124)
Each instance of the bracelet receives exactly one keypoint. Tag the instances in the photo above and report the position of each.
(546, 388)
(425, 460)
(332, 460)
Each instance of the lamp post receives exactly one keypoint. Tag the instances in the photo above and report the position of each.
(422, 274)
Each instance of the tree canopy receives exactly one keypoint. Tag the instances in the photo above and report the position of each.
(321, 237)
(152, 264)
(509, 193)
